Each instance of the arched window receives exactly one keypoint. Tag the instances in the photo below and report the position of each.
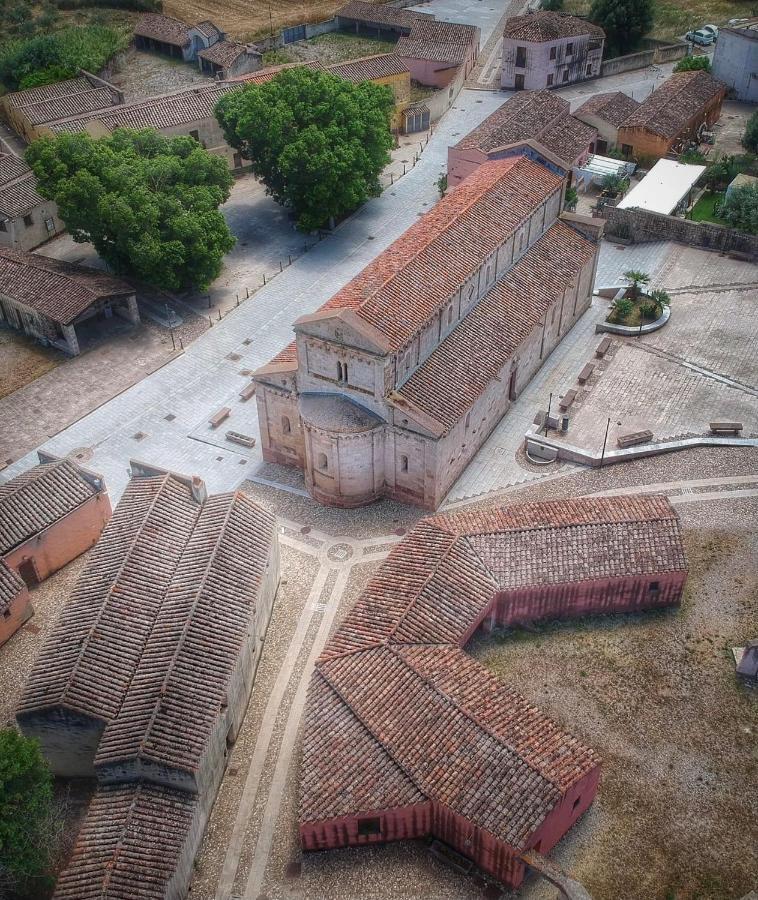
(342, 372)
(403, 463)
(449, 315)
(468, 420)
(322, 462)
(286, 426)
(489, 273)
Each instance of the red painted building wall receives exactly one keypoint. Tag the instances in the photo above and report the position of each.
(15, 614)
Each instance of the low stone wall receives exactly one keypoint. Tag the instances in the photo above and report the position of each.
(326, 27)
(652, 56)
(640, 225)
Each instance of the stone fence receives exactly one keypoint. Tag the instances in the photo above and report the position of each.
(650, 57)
(640, 225)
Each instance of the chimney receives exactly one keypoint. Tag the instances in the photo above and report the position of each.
(199, 491)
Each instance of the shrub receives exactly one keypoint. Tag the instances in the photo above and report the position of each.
(750, 137)
(648, 309)
(693, 63)
(661, 299)
(636, 279)
(740, 209)
(622, 308)
(693, 157)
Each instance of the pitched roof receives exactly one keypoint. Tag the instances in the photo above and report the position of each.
(539, 115)
(59, 290)
(11, 585)
(18, 187)
(613, 107)
(163, 28)
(458, 371)
(30, 96)
(75, 96)
(38, 498)
(129, 844)
(223, 53)
(405, 285)
(378, 13)
(669, 109)
(382, 65)
(445, 42)
(548, 26)
(398, 714)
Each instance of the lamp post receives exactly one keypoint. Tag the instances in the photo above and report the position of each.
(605, 440)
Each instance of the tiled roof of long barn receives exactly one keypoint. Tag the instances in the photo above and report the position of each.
(163, 28)
(378, 13)
(549, 26)
(669, 109)
(381, 65)
(401, 715)
(405, 285)
(56, 289)
(39, 497)
(458, 371)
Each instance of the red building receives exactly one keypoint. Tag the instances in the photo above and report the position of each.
(408, 737)
(15, 607)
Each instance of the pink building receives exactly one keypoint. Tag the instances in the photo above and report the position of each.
(549, 49)
(435, 52)
(406, 736)
(540, 118)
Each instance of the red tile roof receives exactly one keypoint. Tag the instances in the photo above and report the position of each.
(454, 376)
(382, 65)
(444, 42)
(670, 108)
(18, 187)
(58, 290)
(399, 715)
(378, 14)
(163, 28)
(11, 585)
(614, 107)
(549, 26)
(223, 53)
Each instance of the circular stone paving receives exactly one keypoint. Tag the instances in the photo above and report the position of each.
(339, 552)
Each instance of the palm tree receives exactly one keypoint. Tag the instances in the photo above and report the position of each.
(636, 279)
(660, 298)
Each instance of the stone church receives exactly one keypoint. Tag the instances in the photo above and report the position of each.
(391, 387)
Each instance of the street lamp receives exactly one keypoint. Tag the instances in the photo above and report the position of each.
(605, 441)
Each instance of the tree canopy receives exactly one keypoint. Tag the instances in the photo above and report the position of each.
(750, 137)
(26, 811)
(740, 209)
(317, 142)
(625, 22)
(148, 203)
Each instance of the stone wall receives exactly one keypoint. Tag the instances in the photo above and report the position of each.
(640, 226)
(652, 56)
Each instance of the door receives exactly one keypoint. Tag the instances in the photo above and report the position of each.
(512, 385)
(28, 572)
(519, 82)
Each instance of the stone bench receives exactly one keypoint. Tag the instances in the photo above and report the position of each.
(603, 347)
(726, 427)
(219, 417)
(584, 375)
(236, 437)
(247, 392)
(567, 399)
(634, 437)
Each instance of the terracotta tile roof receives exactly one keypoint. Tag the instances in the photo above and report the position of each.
(458, 371)
(11, 167)
(398, 714)
(86, 101)
(38, 498)
(129, 844)
(11, 585)
(382, 65)
(538, 115)
(614, 107)
(336, 413)
(223, 53)
(445, 42)
(264, 75)
(18, 187)
(163, 28)
(670, 108)
(378, 14)
(207, 28)
(30, 96)
(59, 290)
(548, 26)
(405, 285)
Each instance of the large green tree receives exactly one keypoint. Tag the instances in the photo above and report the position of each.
(625, 22)
(148, 203)
(740, 209)
(316, 141)
(27, 831)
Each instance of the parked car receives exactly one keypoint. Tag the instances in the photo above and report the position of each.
(700, 37)
(711, 29)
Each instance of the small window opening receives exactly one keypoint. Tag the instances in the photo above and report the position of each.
(450, 316)
(403, 463)
(28, 221)
(552, 52)
(322, 462)
(655, 586)
(342, 372)
(286, 426)
(370, 826)
(468, 420)
(550, 80)
(569, 49)
(6, 614)
(565, 75)
(576, 803)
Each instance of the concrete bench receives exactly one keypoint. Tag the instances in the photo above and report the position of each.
(635, 437)
(584, 375)
(236, 437)
(726, 427)
(248, 391)
(219, 417)
(603, 347)
(567, 399)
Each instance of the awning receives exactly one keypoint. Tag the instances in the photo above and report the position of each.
(663, 188)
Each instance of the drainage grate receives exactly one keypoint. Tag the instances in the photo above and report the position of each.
(170, 417)
(234, 357)
(140, 435)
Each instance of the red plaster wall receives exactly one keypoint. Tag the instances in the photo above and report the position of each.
(564, 816)
(400, 823)
(19, 610)
(63, 541)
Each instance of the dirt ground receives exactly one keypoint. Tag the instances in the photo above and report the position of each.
(329, 48)
(141, 75)
(23, 360)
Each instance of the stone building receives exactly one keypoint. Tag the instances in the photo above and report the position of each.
(540, 117)
(606, 113)
(49, 515)
(380, 20)
(391, 387)
(549, 49)
(145, 679)
(408, 737)
(48, 299)
(26, 219)
(735, 62)
(672, 116)
(167, 35)
(228, 59)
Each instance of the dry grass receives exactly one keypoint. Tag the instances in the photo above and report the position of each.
(22, 360)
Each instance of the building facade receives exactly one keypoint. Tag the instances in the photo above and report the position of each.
(606, 113)
(408, 737)
(735, 62)
(172, 37)
(392, 386)
(437, 53)
(26, 219)
(549, 49)
(15, 605)
(227, 59)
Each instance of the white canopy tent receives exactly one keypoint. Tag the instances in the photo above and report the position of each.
(664, 188)
(597, 167)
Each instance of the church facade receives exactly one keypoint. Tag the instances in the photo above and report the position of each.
(391, 387)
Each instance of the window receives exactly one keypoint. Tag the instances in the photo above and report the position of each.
(569, 49)
(28, 221)
(521, 57)
(489, 273)
(576, 803)
(626, 149)
(195, 136)
(50, 225)
(565, 75)
(342, 372)
(322, 462)
(655, 586)
(589, 69)
(370, 826)
(6, 614)
(449, 315)
(286, 426)
(550, 79)
(403, 463)
(553, 51)
(468, 420)
(3, 226)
